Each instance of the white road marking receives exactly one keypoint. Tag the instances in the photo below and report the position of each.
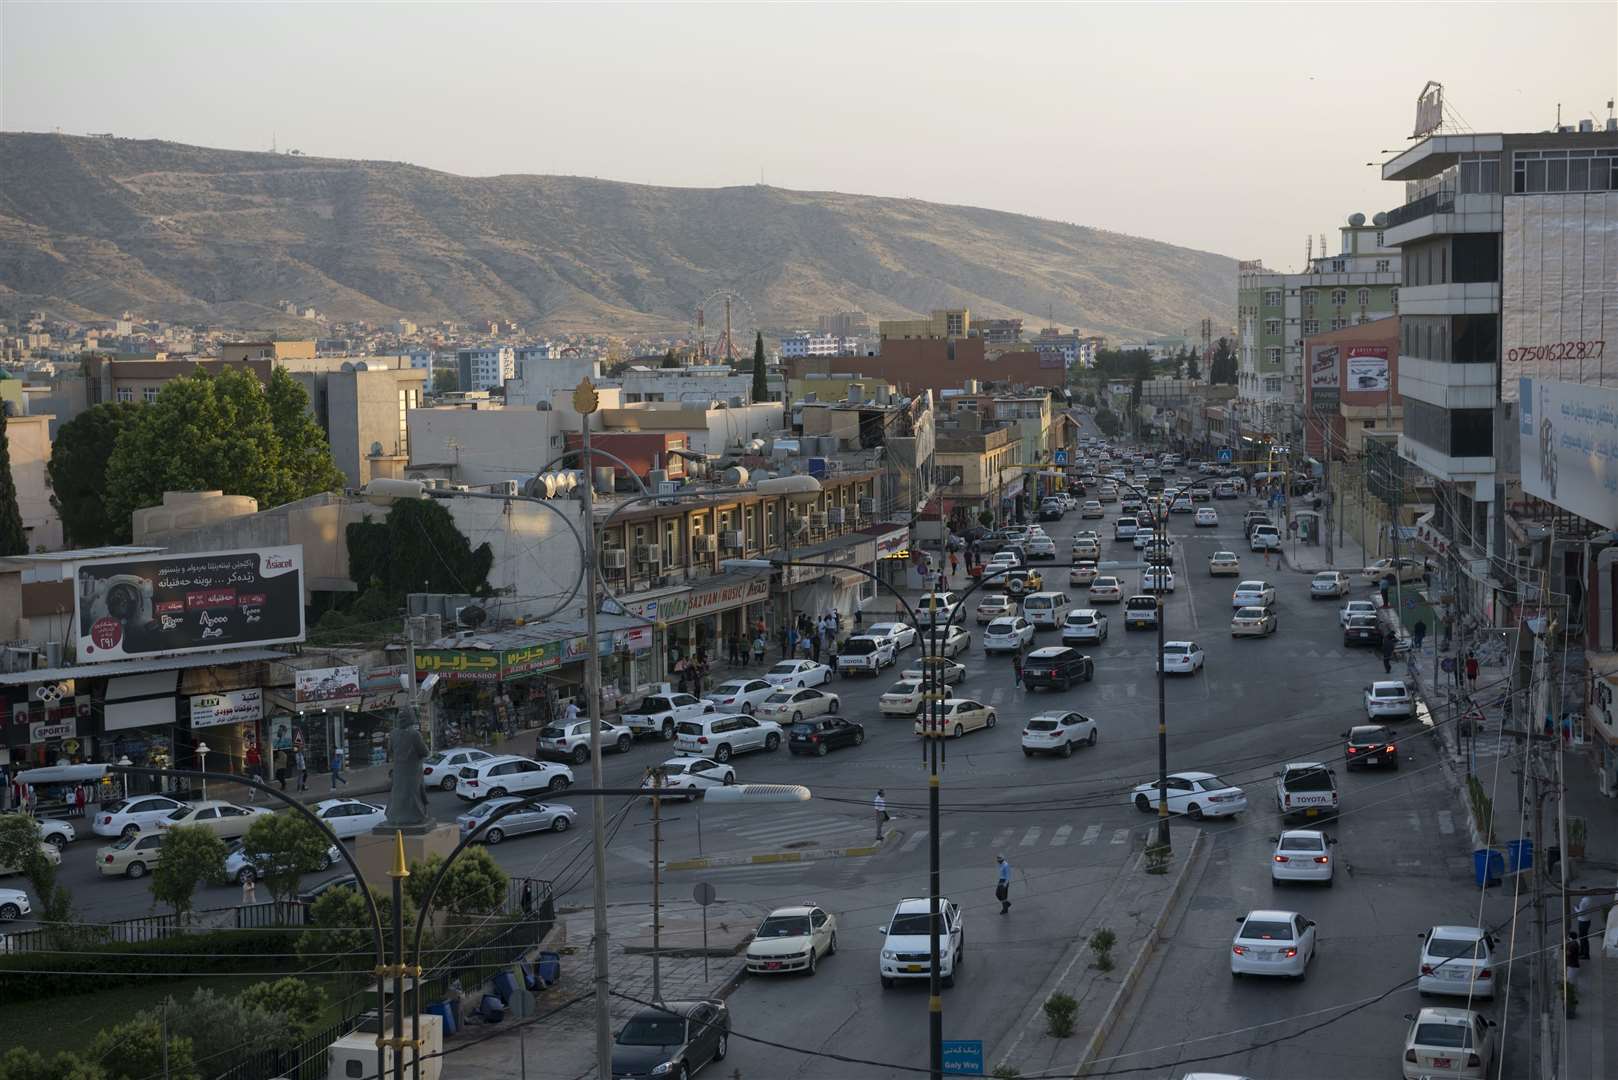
(945, 837)
(1120, 836)
(914, 840)
(971, 840)
(1415, 821)
(1446, 822)
(998, 695)
(1031, 837)
(1002, 838)
(1090, 834)
(1062, 833)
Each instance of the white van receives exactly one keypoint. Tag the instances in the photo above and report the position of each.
(1046, 610)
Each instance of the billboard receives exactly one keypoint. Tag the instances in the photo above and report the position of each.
(312, 686)
(227, 707)
(1325, 378)
(1367, 369)
(1569, 436)
(148, 605)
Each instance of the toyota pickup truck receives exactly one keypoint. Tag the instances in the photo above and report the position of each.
(1306, 789)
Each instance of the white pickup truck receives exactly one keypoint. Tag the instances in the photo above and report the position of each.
(1306, 789)
(657, 714)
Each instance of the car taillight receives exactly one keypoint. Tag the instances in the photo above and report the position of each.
(107, 820)
(1290, 953)
(1322, 860)
(426, 770)
(472, 782)
(702, 740)
(814, 738)
(1351, 750)
(109, 858)
(1282, 858)
(1426, 969)
(1410, 1055)
(1391, 748)
(1239, 950)
(1485, 974)
(1288, 801)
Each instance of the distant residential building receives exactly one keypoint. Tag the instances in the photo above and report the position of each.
(795, 346)
(363, 405)
(234, 352)
(932, 364)
(487, 367)
(944, 324)
(29, 439)
(845, 324)
(998, 331)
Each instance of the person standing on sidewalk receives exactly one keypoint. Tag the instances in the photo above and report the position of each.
(1584, 914)
(1472, 671)
(300, 761)
(1388, 640)
(880, 805)
(249, 890)
(255, 764)
(337, 768)
(1002, 886)
(1016, 668)
(280, 758)
(1418, 634)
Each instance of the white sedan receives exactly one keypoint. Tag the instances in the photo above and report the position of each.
(1353, 608)
(903, 698)
(13, 904)
(1328, 583)
(1449, 1042)
(903, 635)
(1224, 564)
(347, 818)
(959, 715)
(1084, 572)
(1273, 943)
(994, 606)
(1007, 635)
(798, 673)
(1253, 594)
(1207, 517)
(1302, 855)
(1253, 622)
(951, 642)
(443, 768)
(1057, 733)
(1106, 590)
(538, 817)
(224, 819)
(1456, 960)
(126, 817)
(1041, 547)
(1388, 697)
(792, 939)
(1195, 794)
(740, 695)
(1157, 579)
(687, 775)
(1181, 658)
(791, 706)
(951, 671)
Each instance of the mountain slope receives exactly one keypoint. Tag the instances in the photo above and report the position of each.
(90, 227)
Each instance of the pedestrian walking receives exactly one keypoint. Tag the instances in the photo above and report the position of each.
(255, 763)
(758, 648)
(1385, 583)
(1387, 651)
(249, 890)
(280, 758)
(859, 620)
(1419, 634)
(527, 897)
(784, 639)
(954, 563)
(1016, 668)
(814, 648)
(1472, 670)
(337, 776)
(300, 761)
(1572, 959)
(1584, 917)
(880, 805)
(1002, 885)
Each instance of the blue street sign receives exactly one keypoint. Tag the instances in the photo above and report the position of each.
(1224, 455)
(1061, 457)
(963, 1057)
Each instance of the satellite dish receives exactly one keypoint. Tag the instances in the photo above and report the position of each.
(1356, 220)
(473, 616)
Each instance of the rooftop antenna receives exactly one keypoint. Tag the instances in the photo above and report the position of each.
(1322, 245)
(272, 142)
(1309, 249)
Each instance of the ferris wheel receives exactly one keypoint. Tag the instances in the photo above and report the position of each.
(733, 324)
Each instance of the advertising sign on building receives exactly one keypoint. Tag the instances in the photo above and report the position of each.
(530, 658)
(315, 685)
(732, 594)
(230, 707)
(1367, 369)
(1558, 275)
(155, 604)
(63, 728)
(1325, 378)
(458, 665)
(1569, 437)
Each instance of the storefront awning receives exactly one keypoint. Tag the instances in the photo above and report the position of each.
(139, 667)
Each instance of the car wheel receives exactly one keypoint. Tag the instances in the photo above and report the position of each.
(558, 783)
(820, 749)
(831, 946)
(1091, 741)
(722, 754)
(581, 754)
(447, 784)
(1194, 812)
(10, 912)
(771, 741)
(810, 970)
(1067, 749)
(1143, 804)
(245, 874)
(991, 719)
(624, 743)
(562, 823)
(495, 793)
(887, 983)
(959, 731)
(130, 830)
(58, 842)
(797, 717)
(722, 1047)
(1027, 752)
(730, 778)
(949, 979)
(494, 836)
(136, 869)
(834, 705)
(800, 684)
(668, 730)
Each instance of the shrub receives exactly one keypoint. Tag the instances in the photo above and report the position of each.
(32, 976)
(192, 854)
(1101, 943)
(1060, 1011)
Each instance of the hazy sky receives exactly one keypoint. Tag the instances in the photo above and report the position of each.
(1238, 128)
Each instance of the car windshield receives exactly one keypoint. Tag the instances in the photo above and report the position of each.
(483, 810)
(784, 926)
(778, 699)
(1267, 930)
(177, 815)
(1363, 621)
(686, 727)
(904, 688)
(1390, 691)
(1366, 734)
(859, 646)
(652, 1031)
(115, 808)
(1448, 1036)
(784, 669)
(731, 688)
(1042, 725)
(675, 768)
(1037, 603)
(1250, 613)
(1454, 948)
(1316, 779)
(916, 924)
(1176, 650)
(1326, 579)
(1250, 586)
(438, 758)
(1301, 843)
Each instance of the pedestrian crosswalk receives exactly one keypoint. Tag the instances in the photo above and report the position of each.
(1032, 836)
(794, 829)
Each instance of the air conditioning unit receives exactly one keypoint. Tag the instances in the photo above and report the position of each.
(705, 545)
(817, 521)
(507, 488)
(731, 541)
(614, 558)
(649, 553)
(867, 506)
(836, 515)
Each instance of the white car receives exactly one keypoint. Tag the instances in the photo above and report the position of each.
(1388, 697)
(1083, 573)
(658, 713)
(1106, 590)
(1265, 538)
(798, 673)
(1041, 547)
(1057, 733)
(1092, 509)
(792, 939)
(56, 832)
(239, 868)
(1328, 583)
(951, 642)
(862, 654)
(442, 768)
(903, 635)
(537, 817)
(739, 695)
(51, 853)
(1223, 564)
(1181, 658)
(129, 816)
(1157, 579)
(957, 717)
(936, 607)
(1181, 505)
(571, 742)
(994, 606)
(720, 736)
(791, 706)
(1456, 960)
(1253, 594)
(1144, 538)
(903, 698)
(1083, 626)
(1125, 528)
(1195, 794)
(1007, 635)
(1353, 608)
(907, 945)
(951, 671)
(1085, 548)
(1273, 943)
(1207, 517)
(1408, 570)
(14, 904)
(223, 819)
(1254, 622)
(347, 818)
(509, 774)
(1302, 855)
(684, 776)
(1449, 1042)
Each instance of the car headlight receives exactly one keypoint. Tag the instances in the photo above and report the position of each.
(887, 954)
(659, 1070)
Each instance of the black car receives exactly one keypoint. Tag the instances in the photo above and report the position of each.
(1362, 630)
(671, 1041)
(1371, 746)
(1056, 666)
(319, 889)
(1051, 511)
(1254, 517)
(824, 734)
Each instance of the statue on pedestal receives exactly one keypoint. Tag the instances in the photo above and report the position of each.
(407, 802)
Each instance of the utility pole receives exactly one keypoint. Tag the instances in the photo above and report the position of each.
(1160, 545)
(657, 883)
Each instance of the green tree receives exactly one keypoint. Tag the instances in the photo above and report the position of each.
(220, 431)
(1107, 421)
(192, 855)
(13, 540)
(1222, 369)
(283, 847)
(226, 1032)
(137, 1050)
(416, 549)
(670, 360)
(761, 386)
(301, 1002)
(306, 462)
(475, 885)
(78, 472)
(339, 930)
(20, 841)
(446, 379)
(22, 1064)
(1193, 370)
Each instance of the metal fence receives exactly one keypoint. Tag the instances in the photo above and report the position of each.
(158, 927)
(307, 1060)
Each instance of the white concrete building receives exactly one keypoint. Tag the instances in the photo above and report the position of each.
(795, 346)
(486, 368)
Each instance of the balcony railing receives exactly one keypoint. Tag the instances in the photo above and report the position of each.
(1439, 202)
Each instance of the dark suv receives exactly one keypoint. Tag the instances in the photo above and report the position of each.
(674, 1039)
(824, 733)
(1056, 666)
(1371, 746)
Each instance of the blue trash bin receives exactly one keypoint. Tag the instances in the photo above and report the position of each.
(493, 1009)
(445, 1011)
(505, 985)
(549, 968)
(1487, 866)
(1520, 855)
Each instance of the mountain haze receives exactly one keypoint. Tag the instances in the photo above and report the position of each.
(91, 227)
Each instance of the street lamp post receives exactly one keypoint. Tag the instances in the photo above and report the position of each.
(202, 756)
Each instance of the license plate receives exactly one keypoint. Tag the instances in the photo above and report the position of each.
(1440, 1063)
(913, 967)
(773, 964)
(1311, 812)
(1371, 760)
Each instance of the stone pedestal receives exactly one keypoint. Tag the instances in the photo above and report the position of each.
(374, 851)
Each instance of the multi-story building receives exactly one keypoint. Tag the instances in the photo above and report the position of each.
(845, 324)
(998, 331)
(944, 324)
(1276, 311)
(794, 346)
(936, 365)
(487, 367)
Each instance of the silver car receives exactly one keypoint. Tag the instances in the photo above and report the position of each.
(239, 868)
(540, 817)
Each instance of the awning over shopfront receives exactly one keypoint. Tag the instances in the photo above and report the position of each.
(523, 651)
(138, 667)
(856, 549)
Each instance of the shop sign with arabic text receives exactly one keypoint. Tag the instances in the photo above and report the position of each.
(458, 665)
